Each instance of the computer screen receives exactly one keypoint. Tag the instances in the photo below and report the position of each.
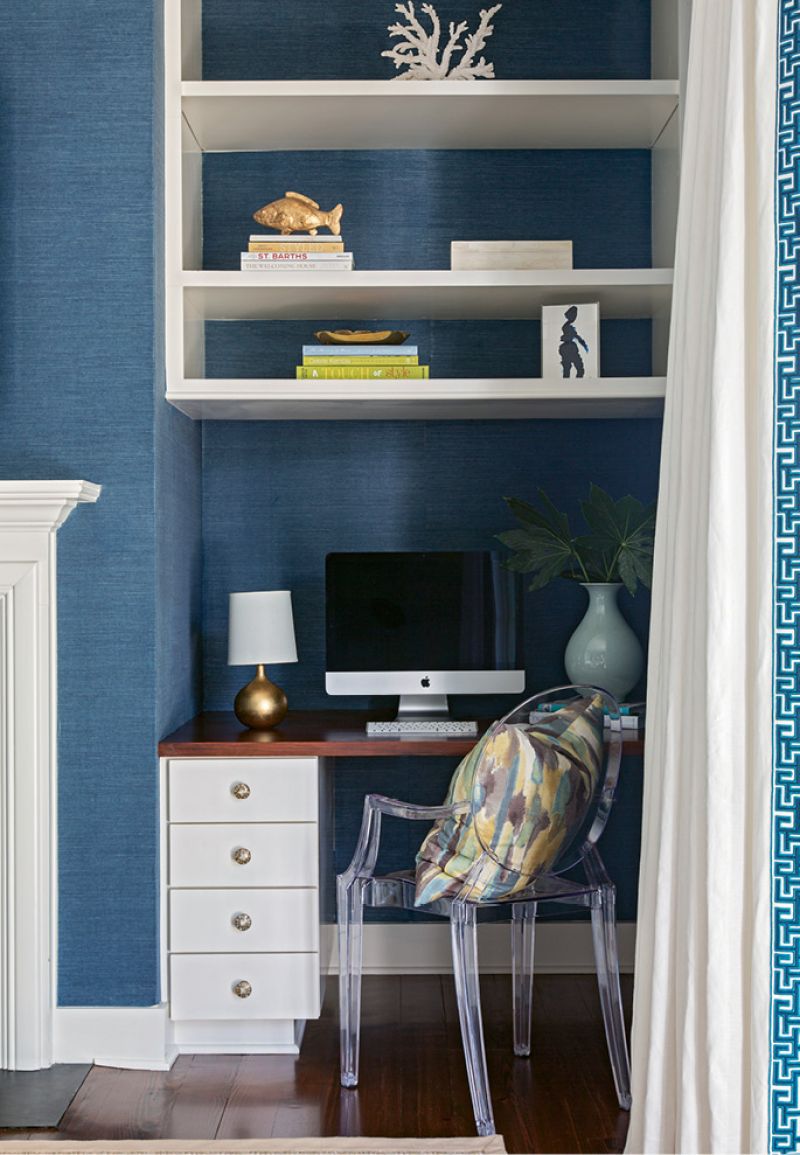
(410, 623)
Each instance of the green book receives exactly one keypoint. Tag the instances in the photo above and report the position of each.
(362, 373)
(371, 361)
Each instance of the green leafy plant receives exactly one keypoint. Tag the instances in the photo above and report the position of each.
(617, 547)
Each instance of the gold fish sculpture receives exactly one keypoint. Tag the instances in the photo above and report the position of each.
(295, 213)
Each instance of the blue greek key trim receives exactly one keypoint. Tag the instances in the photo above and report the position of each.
(785, 1023)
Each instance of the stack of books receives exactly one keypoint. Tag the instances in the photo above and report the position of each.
(361, 363)
(632, 714)
(319, 254)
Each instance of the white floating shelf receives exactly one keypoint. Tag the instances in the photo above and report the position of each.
(436, 294)
(295, 115)
(440, 399)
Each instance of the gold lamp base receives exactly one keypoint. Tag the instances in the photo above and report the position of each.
(261, 705)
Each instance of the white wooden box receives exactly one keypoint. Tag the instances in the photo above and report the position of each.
(487, 255)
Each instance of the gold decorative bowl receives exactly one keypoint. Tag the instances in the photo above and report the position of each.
(360, 337)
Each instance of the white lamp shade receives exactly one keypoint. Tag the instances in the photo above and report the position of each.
(261, 629)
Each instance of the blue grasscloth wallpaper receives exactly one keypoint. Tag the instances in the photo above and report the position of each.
(320, 40)
(402, 209)
(81, 388)
(278, 498)
(80, 359)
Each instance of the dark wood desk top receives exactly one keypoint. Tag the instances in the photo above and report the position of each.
(312, 734)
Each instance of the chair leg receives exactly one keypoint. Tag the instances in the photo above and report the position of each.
(464, 927)
(604, 935)
(350, 917)
(523, 927)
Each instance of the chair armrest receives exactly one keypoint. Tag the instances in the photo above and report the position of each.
(375, 806)
(412, 810)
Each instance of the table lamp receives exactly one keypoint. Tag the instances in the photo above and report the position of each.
(261, 630)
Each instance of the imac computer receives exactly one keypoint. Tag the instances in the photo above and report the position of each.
(421, 626)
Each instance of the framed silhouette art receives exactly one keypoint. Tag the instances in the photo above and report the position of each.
(571, 341)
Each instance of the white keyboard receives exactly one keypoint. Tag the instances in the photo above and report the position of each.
(421, 726)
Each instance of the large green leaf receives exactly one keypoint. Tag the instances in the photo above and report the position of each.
(622, 534)
(618, 546)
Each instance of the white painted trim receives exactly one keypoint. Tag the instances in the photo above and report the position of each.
(424, 948)
(143, 1038)
(238, 1037)
(30, 514)
(132, 1037)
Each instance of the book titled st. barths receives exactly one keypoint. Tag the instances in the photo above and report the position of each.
(299, 257)
(362, 373)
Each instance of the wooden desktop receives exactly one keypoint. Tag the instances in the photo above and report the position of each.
(316, 734)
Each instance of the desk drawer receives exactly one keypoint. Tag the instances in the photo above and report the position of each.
(267, 790)
(280, 855)
(268, 920)
(281, 986)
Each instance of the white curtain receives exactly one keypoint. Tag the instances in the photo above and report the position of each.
(700, 1047)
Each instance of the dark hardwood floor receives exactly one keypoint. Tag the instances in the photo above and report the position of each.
(413, 1080)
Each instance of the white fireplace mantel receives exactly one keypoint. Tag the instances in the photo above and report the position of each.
(30, 514)
(42, 505)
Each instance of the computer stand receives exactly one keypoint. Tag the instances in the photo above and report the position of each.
(423, 706)
(421, 715)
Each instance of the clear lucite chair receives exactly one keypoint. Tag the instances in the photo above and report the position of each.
(358, 887)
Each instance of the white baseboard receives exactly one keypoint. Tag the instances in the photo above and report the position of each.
(424, 948)
(239, 1037)
(144, 1038)
(133, 1037)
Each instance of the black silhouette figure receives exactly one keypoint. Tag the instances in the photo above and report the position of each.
(568, 349)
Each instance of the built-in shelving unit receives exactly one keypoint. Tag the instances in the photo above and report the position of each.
(262, 115)
(248, 116)
(439, 399)
(435, 294)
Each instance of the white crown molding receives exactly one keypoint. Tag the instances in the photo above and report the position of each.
(30, 514)
(42, 505)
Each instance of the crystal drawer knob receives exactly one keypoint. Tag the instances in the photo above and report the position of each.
(242, 921)
(241, 855)
(240, 790)
(242, 989)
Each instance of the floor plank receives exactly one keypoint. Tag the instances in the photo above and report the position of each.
(413, 1079)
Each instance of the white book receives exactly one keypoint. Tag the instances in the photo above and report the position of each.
(297, 267)
(294, 238)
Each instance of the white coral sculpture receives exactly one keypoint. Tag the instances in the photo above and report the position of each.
(419, 51)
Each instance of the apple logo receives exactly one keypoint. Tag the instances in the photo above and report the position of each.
(425, 682)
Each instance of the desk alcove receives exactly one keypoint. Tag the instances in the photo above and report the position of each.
(247, 922)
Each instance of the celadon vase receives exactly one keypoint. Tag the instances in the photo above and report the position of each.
(604, 651)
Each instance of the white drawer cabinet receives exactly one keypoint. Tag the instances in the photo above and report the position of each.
(244, 956)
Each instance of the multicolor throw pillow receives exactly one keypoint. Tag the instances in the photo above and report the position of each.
(531, 786)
